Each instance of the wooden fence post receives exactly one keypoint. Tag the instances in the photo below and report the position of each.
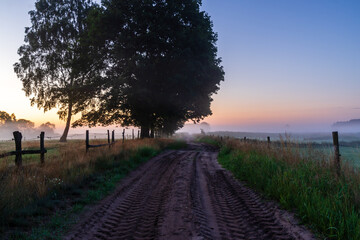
(123, 135)
(268, 141)
(17, 138)
(133, 135)
(138, 134)
(335, 136)
(113, 136)
(42, 147)
(87, 140)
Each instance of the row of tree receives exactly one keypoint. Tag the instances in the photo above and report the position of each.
(9, 124)
(146, 63)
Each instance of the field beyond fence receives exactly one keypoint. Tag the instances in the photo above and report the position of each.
(348, 144)
(19, 151)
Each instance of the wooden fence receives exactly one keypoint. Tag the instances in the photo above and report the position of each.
(19, 152)
(335, 136)
(336, 146)
(87, 140)
(109, 143)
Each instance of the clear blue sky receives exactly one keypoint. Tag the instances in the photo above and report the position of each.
(287, 62)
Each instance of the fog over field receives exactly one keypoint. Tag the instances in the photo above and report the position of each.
(315, 131)
(297, 132)
(273, 128)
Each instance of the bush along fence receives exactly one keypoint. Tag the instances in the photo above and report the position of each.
(19, 152)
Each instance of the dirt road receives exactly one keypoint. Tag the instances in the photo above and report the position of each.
(185, 195)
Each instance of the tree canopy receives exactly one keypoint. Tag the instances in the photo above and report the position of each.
(163, 65)
(57, 66)
(6, 118)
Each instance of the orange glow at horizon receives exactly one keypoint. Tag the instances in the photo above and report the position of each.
(257, 114)
(236, 114)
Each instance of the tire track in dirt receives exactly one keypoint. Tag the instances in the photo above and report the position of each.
(186, 195)
(89, 227)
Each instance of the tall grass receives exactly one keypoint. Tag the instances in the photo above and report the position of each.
(68, 165)
(304, 182)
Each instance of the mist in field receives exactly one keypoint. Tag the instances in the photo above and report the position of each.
(309, 132)
(28, 131)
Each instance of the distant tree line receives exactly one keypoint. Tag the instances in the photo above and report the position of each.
(146, 63)
(9, 123)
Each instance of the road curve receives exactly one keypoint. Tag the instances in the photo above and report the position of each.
(186, 195)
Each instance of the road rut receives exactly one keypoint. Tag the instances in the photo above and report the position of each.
(186, 195)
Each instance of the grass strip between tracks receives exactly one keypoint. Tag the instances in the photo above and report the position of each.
(51, 216)
(328, 204)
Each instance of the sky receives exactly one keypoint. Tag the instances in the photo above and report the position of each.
(289, 65)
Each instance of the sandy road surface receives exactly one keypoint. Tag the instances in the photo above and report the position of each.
(185, 195)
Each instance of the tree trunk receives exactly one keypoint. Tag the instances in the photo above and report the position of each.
(152, 133)
(145, 132)
(67, 127)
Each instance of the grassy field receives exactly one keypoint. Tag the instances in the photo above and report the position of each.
(304, 183)
(54, 148)
(350, 155)
(40, 201)
(322, 142)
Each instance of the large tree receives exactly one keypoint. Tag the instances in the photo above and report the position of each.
(57, 66)
(164, 65)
